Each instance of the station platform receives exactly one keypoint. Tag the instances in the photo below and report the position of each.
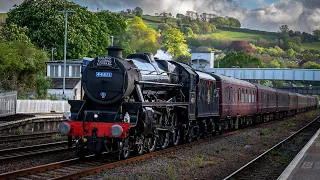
(306, 165)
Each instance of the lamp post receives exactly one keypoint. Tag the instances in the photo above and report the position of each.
(111, 41)
(52, 53)
(65, 49)
(198, 63)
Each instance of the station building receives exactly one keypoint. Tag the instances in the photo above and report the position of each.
(55, 70)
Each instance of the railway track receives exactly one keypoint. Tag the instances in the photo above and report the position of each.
(271, 163)
(14, 138)
(75, 169)
(16, 117)
(20, 152)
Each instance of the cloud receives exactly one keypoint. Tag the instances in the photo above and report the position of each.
(6, 5)
(302, 15)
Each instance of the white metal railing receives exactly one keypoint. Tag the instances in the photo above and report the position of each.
(8, 102)
(42, 106)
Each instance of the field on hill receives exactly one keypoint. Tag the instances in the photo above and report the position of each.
(154, 21)
(315, 46)
(242, 35)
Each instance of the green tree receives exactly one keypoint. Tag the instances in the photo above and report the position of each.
(274, 64)
(116, 22)
(163, 27)
(11, 32)
(20, 63)
(316, 33)
(139, 37)
(187, 31)
(311, 65)
(218, 21)
(138, 11)
(284, 29)
(175, 42)
(233, 22)
(241, 59)
(87, 34)
(42, 85)
(290, 53)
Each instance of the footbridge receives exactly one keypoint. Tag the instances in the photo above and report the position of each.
(269, 73)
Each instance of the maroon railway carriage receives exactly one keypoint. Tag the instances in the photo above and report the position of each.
(314, 102)
(283, 102)
(293, 103)
(302, 102)
(267, 100)
(237, 99)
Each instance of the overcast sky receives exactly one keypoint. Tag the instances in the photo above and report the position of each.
(302, 15)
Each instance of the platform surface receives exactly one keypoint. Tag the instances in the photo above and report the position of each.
(306, 165)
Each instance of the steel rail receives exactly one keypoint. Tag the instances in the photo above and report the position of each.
(7, 154)
(108, 166)
(269, 150)
(13, 138)
(99, 168)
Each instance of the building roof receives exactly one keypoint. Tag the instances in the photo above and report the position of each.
(68, 62)
(71, 83)
(228, 79)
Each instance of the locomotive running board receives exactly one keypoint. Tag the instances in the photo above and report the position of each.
(157, 83)
(148, 104)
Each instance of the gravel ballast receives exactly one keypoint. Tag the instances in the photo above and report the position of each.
(215, 159)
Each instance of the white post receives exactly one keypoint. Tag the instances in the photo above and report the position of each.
(65, 50)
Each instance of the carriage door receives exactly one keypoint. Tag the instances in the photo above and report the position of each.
(239, 101)
(268, 102)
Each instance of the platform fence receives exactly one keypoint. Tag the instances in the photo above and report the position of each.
(42, 106)
(8, 103)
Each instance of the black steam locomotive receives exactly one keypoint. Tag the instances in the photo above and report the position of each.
(140, 103)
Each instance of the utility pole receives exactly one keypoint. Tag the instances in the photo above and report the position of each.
(65, 49)
(111, 41)
(52, 53)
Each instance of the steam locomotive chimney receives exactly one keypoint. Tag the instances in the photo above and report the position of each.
(115, 52)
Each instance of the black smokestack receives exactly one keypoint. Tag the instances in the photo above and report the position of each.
(115, 52)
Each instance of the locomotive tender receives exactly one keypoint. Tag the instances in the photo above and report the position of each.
(140, 103)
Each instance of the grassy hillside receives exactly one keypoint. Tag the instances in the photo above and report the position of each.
(315, 46)
(250, 35)
(242, 35)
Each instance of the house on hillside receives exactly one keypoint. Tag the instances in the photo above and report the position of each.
(55, 70)
(207, 16)
(192, 14)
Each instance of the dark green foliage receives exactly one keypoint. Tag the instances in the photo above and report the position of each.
(138, 11)
(42, 86)
(20, 63)
(316, 33)
(240, 59)
(87, 34)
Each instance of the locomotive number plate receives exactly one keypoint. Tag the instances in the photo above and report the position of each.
(104, 74)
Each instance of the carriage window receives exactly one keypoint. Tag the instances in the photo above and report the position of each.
(230, 94)
(253, 96)
(227, 94)
(239, 95)
(233, 95)
(242, 96)
(250, 96)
